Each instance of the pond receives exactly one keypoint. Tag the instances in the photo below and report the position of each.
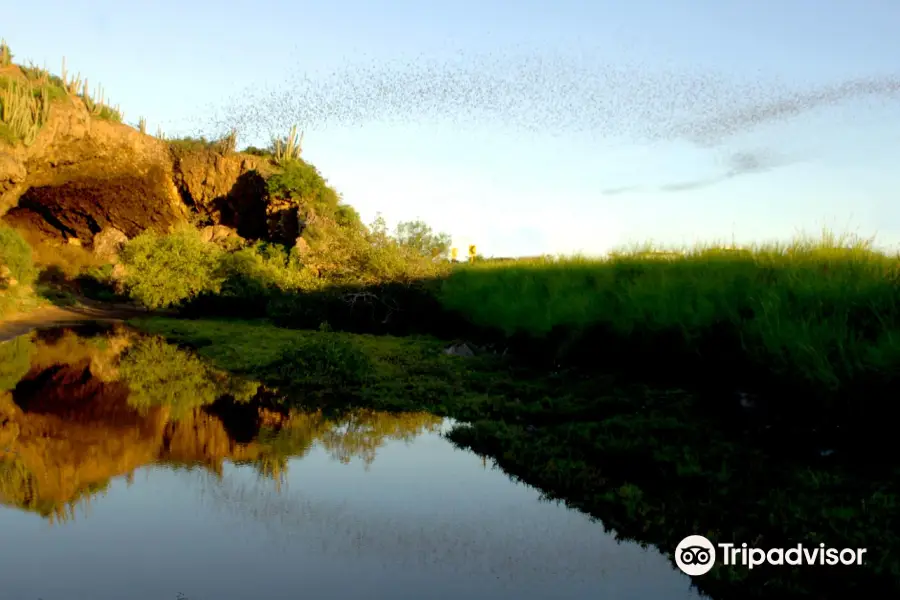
(117, 482)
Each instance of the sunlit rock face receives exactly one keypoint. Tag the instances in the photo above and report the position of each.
(83, 175)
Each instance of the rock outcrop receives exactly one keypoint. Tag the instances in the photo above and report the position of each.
(83, 175)
(108, 243)
(227, 190)
(220, 234)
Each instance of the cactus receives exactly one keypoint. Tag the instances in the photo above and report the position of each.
(22, 111)
(228, 143)
(289, 148)
(71, 85)
(6, 55)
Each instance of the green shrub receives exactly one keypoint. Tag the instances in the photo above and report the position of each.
(347, 216)
(326, 360)
(254, 151)
(300, 181)
(16, 255)
(191, 144)
(250, 278)
(419, 236)
(162, 271)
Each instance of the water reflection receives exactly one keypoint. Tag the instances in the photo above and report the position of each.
(211, 489)
(78, 408)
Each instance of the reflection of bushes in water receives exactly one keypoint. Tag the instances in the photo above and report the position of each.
(242, 390)
(357, 434)
(19, 488)
(18, 485)
(162, 374)
(15, 360)
(362, 433)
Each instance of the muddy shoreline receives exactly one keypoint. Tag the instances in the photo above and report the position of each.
(85, 310)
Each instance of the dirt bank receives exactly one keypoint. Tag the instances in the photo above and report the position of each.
(18, 324)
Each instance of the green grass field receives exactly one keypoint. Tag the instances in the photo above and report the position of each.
(822, 313)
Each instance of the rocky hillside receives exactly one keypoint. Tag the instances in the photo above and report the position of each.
(82, 174)
(76, 184)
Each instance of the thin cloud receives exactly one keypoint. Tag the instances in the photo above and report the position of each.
(621, 190)
(685, 186)
(740, 163)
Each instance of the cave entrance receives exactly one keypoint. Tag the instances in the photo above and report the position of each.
(80, 209)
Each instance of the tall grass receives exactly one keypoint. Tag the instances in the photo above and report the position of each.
(95, 104)
(822, 311)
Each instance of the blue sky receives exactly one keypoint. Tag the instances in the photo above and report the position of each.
(583, 154)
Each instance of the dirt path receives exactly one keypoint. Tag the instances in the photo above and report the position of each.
(50, 316)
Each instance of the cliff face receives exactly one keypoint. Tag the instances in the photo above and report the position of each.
(228, 190)
(83, 174)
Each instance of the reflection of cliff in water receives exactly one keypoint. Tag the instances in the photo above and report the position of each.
(79, 407)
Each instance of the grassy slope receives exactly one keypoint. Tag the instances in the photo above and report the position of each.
(643, 460)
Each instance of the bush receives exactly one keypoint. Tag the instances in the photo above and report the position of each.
(360, 256)
(419, 236)
(16, 255)
(302, 182)
(163, 271)
(252, 276)
(327, 360)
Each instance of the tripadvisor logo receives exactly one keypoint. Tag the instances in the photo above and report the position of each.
(695, 555)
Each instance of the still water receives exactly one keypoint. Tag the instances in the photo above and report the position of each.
(116, 483)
